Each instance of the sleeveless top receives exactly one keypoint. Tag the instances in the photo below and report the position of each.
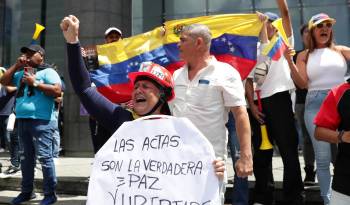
(325, 69)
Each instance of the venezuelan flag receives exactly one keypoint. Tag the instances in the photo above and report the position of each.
(275, 48)
(278, 44)
(234, 41)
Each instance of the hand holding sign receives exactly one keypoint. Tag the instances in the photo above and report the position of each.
(219, 167)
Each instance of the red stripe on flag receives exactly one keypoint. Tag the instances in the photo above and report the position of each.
(117, 93)
(279, 52)
(174, 66)
(242, 65)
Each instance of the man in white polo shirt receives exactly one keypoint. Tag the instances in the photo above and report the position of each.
(206, 90)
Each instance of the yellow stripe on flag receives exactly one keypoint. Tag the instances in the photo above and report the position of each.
(129, 47)
(278, 24)
(269, 46)
(238, 24)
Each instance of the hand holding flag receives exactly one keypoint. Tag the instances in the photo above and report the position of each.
(279, 42)
(289, 53)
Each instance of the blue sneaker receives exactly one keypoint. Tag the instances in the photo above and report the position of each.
(49, 199)
(22, 197)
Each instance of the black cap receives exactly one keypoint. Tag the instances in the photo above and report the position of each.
(33, 47)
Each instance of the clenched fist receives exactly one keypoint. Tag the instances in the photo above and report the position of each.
(70, 28)
(22, 61)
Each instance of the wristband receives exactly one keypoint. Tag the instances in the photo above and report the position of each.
(36, 83)
(340, 136)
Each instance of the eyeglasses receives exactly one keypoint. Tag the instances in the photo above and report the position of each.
(321, 25)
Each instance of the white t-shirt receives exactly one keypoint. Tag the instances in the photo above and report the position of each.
(207, 98)
(278, 78)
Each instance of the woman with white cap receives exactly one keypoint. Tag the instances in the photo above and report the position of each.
(320, 68)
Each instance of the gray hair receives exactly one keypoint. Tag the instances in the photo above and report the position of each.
(199, 30)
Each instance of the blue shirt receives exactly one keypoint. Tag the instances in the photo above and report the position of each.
(38, 105)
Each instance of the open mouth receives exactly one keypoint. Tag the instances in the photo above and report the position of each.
(140, 99)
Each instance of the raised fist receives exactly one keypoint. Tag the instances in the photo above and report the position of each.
(22, 61)
(70, 28)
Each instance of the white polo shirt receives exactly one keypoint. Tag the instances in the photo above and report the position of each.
(207, 99)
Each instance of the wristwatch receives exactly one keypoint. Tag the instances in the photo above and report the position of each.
(36, 83)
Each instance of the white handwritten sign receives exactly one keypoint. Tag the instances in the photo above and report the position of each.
(163, 161)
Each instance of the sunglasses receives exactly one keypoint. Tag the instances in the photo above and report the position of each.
(321, 25)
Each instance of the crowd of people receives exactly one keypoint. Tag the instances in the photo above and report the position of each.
(204, 88)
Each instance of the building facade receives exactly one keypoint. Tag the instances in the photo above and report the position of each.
(17, 19)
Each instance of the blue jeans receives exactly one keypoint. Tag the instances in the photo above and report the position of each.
(13, 144)
(322, 149)
(240, 185)
(308, 150)
(36, 139)
(11, 141)
(56, 137)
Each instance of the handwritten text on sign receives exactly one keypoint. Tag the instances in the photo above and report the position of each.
(155, 162)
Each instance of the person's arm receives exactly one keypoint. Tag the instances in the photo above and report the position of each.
(244, 165)
(107, 113)
(10, 89)
(7, 77)
(96, 104)
(345, 51)
(287, 24)
(50, 90)
(249, 90)
(53, 90)
(331, 136)
(263, 32)
(297, 72)
(328, 119)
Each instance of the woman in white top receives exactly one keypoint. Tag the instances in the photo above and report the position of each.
(319, 68)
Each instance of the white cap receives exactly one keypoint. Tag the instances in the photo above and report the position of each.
(110, 29)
